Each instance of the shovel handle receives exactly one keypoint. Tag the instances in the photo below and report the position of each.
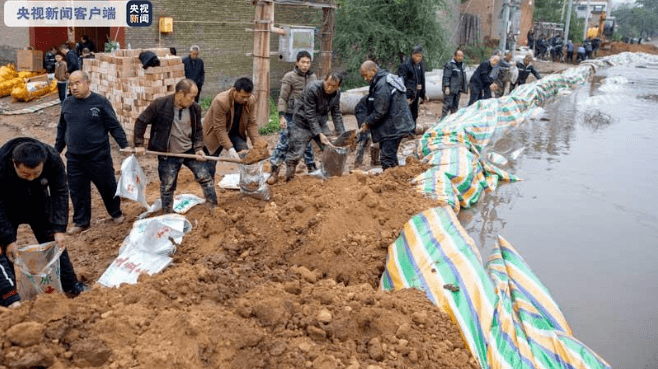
(186, 156)
(190, 156)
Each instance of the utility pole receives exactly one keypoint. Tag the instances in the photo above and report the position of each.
(263, 22)
(503, 34)
(587, 13)
(327, 36)
(566, 27)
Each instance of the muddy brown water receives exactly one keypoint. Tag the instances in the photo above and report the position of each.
(586, 215)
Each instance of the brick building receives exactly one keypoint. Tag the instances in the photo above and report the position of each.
(490, 14)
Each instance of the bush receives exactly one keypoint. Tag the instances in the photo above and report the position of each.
(383, 30)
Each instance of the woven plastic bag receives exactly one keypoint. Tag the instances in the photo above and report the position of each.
(132, 183)
(333, 161)
(38, 270)
(252, 182)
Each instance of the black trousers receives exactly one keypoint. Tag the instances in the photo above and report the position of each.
(239, 144)
(450, 104)
(388, 152)
(38, 221)
(82, 171)
(198, 86)
(62, 88)
(478, 93)
(414, 108)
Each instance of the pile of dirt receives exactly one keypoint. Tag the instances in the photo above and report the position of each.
(290, 283)
(620, 47)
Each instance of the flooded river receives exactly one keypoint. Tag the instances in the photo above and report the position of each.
(585, 216)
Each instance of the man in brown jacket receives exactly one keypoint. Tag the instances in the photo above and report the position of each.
(231, 117)
(292, 85)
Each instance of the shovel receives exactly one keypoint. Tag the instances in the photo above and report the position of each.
(254, 158)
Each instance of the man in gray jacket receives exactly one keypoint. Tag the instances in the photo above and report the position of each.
(319, 99)
(292, 85)
(454, 83)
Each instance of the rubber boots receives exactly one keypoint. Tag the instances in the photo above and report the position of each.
(274, 175)
(311, 168)
(290, 171)
(374, 156)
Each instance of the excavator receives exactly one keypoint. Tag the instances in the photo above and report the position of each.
(605, 29)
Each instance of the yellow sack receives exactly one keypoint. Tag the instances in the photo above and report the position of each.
(7, 86)
(26, 74)
(30, 91)
(7, 72)
(53, 86)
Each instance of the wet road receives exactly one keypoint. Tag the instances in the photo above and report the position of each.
(586, 215)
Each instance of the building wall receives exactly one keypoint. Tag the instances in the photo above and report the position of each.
(485, 9)
(11, 40)
(491, 20)
(218, 28)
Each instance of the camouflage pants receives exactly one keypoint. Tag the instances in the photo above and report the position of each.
(281, 149)
(300, 138)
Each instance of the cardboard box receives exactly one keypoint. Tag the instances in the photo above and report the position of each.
(29, 60)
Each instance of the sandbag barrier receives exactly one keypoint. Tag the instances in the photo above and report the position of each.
(507, 317)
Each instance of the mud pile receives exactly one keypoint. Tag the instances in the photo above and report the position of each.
(620, 47)
(290, 283)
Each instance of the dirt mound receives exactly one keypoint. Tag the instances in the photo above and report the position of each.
(290, 283)
(620, 47)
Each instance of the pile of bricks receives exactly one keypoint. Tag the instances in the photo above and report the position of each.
(130, 88)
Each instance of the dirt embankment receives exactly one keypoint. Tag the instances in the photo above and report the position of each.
(290, 283)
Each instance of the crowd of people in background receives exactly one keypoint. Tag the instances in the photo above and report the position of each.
(65, 59)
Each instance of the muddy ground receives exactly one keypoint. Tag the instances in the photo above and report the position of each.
(289, 283)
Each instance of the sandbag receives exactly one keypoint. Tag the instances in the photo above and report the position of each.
(147, 249)
(252, 182)
(132, 183)
(38, 270)
(333, 161)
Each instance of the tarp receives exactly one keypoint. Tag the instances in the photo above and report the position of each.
(506, 315)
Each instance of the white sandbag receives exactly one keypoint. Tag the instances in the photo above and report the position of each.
(146, 249)
(132, 183)
(38, 270)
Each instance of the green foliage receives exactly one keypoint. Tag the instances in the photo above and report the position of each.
(205, 104)
(637, 20)
(272, 125)
(477, 54)
(382, 30)
(551, 11)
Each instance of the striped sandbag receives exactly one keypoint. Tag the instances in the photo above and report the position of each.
(507, 317)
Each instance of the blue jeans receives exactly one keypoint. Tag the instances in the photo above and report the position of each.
(282, 146)
(168, 168)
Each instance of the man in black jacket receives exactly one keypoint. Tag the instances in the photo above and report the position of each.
(72, 60)
(318, 100)
(176, 128)
(525, 69)
(454, 83)
(412, 72)
(33, 190)
(194, 69)
(49, 60)
(84, 123)
(389, 118)
(481, 81)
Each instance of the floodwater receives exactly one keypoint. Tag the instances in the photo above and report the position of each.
(585, 216)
